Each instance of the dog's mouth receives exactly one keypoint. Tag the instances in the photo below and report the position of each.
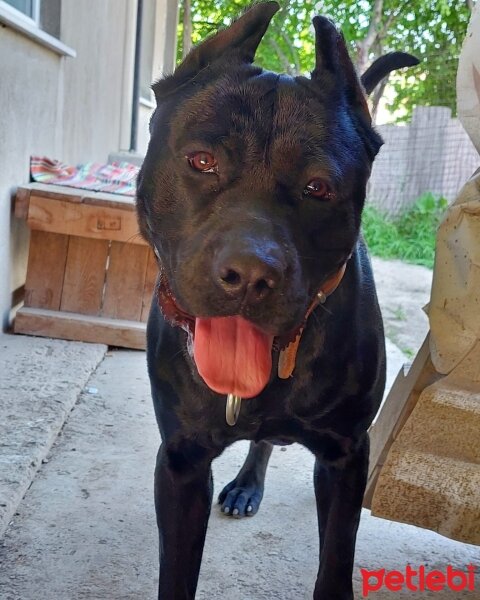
(232, 354)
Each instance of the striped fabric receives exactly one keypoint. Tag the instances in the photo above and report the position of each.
(115, 178)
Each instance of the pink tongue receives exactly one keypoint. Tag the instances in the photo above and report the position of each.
(232, 356)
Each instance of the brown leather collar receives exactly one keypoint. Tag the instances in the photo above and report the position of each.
(288, 356)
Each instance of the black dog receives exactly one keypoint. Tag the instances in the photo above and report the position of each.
(251, 194)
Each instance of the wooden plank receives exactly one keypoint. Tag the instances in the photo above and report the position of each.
(79, 219)
(431, 477)
(395, 411)
(22, 200)
(150, 281)
(125, 281)
(76, 327)
(70, 194)
(18, 296)
(45, 271)
(126, 203)
(84, 276)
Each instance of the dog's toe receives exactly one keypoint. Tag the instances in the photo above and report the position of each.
(240, 501)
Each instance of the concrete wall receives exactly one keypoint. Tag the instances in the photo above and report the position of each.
(164, 55)
(31, 97)
(97, 83)
(74, 109)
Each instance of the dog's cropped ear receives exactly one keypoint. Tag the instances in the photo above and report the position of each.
(383, 66)
(238, 41)
(332, 58)
(326, 48)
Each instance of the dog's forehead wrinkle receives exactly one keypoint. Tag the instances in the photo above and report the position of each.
(306, 132)
(237, 98)
(267, 110)
(235, 122)
(205, 107)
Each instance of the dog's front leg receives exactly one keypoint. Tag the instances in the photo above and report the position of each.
(183, 497)
(242, 496)
(339, 494)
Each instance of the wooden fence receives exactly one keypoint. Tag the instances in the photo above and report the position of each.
(433, 153)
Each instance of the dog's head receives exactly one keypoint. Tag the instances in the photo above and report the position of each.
(252, 188)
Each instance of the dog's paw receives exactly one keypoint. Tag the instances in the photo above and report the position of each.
(240, 500)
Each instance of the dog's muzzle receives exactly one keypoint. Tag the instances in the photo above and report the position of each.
(257, 371)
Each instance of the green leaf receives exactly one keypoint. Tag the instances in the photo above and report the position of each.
(433, 30)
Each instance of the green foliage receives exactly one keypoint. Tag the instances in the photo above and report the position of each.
(410, 236)
(288, 45)
(433, 30)
(435, 36)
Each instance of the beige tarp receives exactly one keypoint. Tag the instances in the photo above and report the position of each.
(454, 309)
(431, 475)
(430, 424)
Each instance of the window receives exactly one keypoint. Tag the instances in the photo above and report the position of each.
(37, 19)
(45, 14)
(30, 8)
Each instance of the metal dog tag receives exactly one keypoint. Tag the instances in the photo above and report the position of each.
(232, 409)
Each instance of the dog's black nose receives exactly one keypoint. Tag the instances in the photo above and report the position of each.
(248, 276)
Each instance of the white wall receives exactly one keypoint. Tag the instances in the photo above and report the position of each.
(67, 108)
(166, 19)
(93, 83)
(74, 109)
(30, 123)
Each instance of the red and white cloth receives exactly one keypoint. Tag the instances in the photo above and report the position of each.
(114, 178)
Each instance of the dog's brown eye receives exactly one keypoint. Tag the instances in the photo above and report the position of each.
(317, 188)
(202, 161)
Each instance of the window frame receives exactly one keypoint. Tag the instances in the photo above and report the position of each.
(36, 12)
(30, 27)
(19, 14)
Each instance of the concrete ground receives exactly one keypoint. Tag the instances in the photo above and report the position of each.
(403, 290)
(40, 381)
(86, 527)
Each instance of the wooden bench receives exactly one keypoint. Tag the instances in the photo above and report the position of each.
(90, 276)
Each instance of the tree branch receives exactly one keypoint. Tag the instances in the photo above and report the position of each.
(363, 51)
(187, 27)
(293, 52)
(363, 47)
(391, 18)
(377, 96)
(281, 55)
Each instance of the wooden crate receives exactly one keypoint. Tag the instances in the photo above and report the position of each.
(90, 276)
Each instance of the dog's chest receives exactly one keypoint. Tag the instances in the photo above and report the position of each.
(283, 427)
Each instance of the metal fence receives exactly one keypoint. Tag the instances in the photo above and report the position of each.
(432, 153)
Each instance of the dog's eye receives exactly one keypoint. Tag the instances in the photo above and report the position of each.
(318, 188)
(202, 161)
